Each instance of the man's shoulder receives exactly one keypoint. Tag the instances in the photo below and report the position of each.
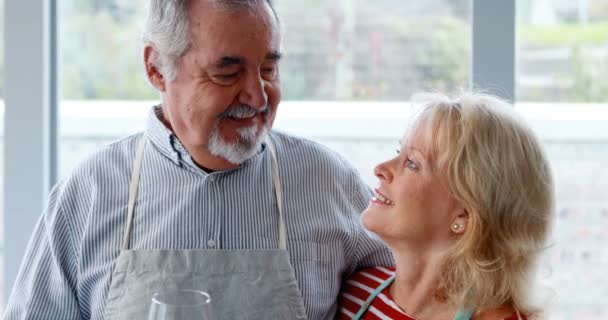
(112, 157)
(102, 174)
(307, 152)
(287, 140)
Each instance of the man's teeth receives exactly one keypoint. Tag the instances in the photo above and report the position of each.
(243, 115)
(382, 199)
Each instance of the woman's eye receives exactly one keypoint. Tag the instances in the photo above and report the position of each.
(411, 164)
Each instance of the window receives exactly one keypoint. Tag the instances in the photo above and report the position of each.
(562, 86)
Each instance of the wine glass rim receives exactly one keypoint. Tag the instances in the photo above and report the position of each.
(207, 298)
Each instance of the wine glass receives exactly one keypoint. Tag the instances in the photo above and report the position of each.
(185, 304)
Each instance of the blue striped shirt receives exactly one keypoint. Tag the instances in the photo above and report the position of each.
(67, 269)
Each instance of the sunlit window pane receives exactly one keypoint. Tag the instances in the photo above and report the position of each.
(373, 50)
(100, 50)
(563, 50)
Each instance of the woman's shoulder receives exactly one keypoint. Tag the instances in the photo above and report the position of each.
(363, 282)
(373, 276)
(359, 287)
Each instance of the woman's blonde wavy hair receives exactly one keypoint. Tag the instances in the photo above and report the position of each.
(496, 168)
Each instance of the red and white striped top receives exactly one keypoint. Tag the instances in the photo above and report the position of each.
(360, 286)
(357, 289)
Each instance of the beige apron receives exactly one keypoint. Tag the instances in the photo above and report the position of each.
(243, 284)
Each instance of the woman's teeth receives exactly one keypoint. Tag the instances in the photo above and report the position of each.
(382, 199)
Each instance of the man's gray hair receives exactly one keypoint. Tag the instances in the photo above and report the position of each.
(167, 27)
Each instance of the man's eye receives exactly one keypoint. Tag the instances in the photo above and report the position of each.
(269, 73)
(226, 79)
(227, 76)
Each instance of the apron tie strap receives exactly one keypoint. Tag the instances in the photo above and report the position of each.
(133, 188)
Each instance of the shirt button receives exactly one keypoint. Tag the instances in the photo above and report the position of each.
(211, 243)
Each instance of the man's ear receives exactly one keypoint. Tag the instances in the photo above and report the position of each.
(151, 61)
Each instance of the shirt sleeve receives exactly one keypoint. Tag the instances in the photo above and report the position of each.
(46, 282)
(370, 250)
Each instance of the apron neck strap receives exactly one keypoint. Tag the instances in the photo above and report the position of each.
(134, 186)
(278, 190)
(463, 315)
(373, 296)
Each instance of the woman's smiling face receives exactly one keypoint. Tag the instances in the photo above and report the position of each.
(412, 201)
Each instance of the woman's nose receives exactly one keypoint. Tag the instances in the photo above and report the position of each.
(382, 172)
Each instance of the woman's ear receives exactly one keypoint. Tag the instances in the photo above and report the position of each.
(151, 62)
(460, 223)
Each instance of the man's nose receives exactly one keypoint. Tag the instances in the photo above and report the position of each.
(253, 92)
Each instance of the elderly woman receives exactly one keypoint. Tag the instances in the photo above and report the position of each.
(466, 207)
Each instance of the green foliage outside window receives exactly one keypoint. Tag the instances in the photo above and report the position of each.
(581, 73)
(101, 59)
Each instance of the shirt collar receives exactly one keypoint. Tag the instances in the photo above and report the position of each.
(163, 138)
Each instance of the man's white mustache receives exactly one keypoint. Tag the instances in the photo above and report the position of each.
(242, 110)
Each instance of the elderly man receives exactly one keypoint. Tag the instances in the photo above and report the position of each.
(208, 197)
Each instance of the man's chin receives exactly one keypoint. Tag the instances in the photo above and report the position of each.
(237, 147)
(243, 135)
